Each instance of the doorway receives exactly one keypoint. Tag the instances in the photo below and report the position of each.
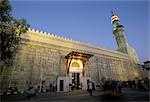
(61, 85)
(76, 80)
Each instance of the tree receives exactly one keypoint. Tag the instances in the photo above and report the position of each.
(10, 32)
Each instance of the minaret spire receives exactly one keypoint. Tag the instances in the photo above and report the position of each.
(119, 33)
(112, 13)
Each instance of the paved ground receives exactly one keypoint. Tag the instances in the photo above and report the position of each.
(81, 96)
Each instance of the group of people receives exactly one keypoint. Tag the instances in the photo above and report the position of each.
(115, 87)
(112, 87)
(32, 91)
(90, 86)
(141, 85)
(74, 86)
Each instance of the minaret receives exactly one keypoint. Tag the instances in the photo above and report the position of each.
(118, 31)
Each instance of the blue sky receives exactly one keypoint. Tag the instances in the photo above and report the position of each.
(89, 21)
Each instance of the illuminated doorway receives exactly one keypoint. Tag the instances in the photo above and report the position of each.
(76, 72)
(76, 80)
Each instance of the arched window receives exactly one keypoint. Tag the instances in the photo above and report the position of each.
(75, 64)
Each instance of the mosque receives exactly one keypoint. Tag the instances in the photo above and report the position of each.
(46, 60)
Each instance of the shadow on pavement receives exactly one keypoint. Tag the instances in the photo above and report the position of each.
(17, 97)
(111, 98)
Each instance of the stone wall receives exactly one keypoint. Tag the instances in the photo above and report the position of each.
(42, 58)
(32, 64)
(103, 68)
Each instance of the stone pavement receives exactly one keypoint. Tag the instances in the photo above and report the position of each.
(81, 96)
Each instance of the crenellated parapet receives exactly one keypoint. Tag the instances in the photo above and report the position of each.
(53, 35)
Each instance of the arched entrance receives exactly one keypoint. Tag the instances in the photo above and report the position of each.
(75, 73)
(76, 68)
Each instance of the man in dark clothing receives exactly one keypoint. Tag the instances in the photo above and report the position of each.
(89, 84)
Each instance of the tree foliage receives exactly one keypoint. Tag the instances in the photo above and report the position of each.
(10, 31)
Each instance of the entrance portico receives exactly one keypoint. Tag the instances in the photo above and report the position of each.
(75, 72)
(76, 61)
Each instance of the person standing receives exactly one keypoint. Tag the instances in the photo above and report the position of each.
(90, 87)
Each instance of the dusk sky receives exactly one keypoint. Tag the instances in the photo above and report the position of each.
(89, 21)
